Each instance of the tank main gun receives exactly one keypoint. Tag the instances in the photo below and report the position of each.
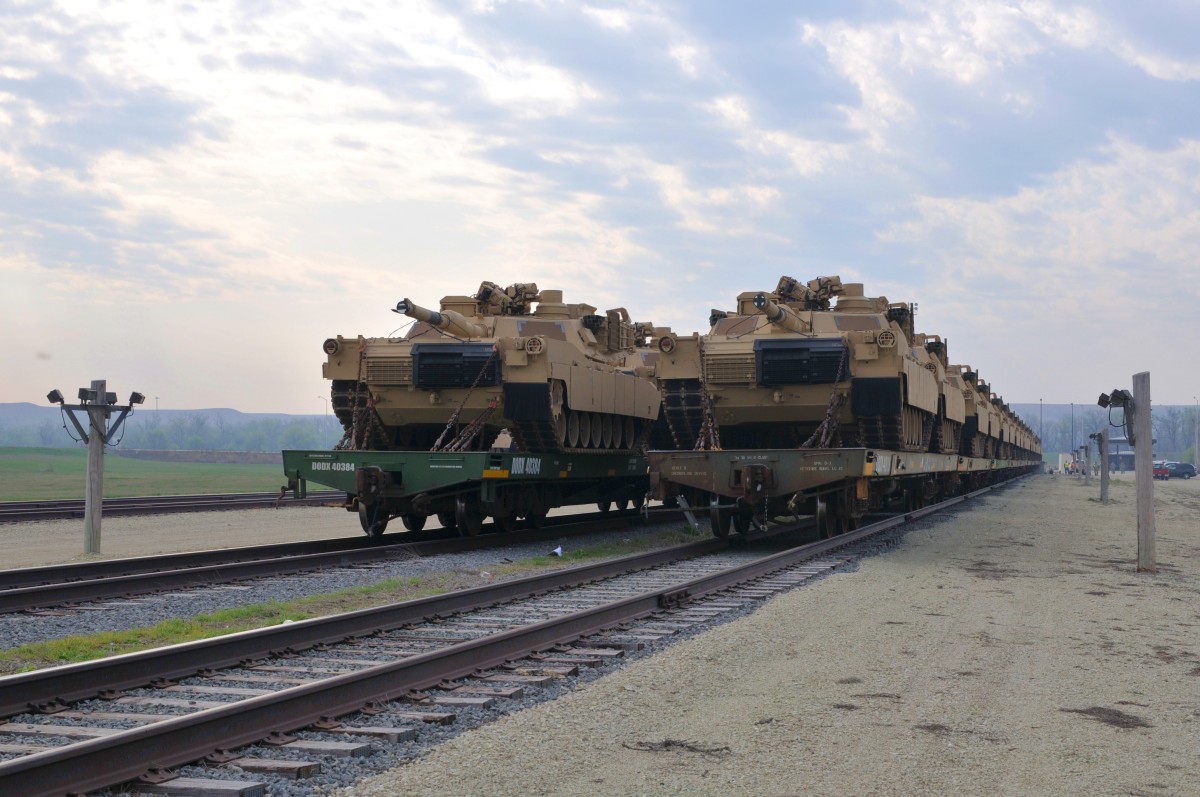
(781, 315)
(447, 320)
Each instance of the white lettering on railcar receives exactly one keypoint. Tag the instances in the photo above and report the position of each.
(526, 466)
(345, 466)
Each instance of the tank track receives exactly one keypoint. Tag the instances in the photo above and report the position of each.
(946, 438)
(888, 431)
(683, 405)
(541, 437)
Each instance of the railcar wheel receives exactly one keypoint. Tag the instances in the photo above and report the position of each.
(535, 520)
(604, 506)
(742, 520)
(447, 520)
(638, 501)
(718, 519)
(623, 505)
(829, 520)
(372, 519)
(504, 523)
(468, 515)
(413, 521)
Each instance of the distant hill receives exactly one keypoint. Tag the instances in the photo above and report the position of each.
(216, 429)
(25, 413)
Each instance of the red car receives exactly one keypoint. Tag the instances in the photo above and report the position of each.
(1161, 471)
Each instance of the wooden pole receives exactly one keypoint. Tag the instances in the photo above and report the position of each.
(1143, 466)
(1103, 445)
(94, 499)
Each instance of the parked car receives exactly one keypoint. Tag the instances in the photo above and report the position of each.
(1181, 470)
(1161, 471)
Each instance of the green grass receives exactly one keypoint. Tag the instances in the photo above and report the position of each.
(29, 474)
(229, 621)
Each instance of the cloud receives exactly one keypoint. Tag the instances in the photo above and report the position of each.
(1091, 257)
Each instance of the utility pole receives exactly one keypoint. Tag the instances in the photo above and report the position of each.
(1102, 446)
(99, 404)
(1087, 465)
(1143, 465)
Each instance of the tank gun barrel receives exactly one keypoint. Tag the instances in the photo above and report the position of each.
(780, 315)
(448, 320)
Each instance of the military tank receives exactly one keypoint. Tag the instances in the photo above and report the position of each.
(810, 364)
(560, 377)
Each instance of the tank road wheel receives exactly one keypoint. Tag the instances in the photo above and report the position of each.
(718, 519)
(597, 430)
(606, 430)
(630, 433)
(618, 431)
(373, 519)
(468, 515)
(585, 429)
(560, 428)
(572, 428)
(413, 521)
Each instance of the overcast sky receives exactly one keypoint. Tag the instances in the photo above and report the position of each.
(194, 195)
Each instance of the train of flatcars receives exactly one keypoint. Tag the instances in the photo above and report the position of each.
(812, 399)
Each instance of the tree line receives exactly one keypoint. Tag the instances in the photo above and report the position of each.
(1172, 427)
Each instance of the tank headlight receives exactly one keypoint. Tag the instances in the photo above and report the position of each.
(666, 344)
(535, 345)
(331, 346)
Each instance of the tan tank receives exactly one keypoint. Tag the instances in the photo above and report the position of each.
(558, 376)
(792, 368)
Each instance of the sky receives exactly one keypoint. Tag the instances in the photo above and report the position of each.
(194, 195)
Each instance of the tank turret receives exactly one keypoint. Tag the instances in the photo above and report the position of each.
(818, 363)
(558, 376)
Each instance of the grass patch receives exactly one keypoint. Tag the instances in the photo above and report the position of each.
(230, 621)
(31, 474)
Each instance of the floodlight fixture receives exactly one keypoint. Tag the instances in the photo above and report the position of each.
(110, 398)
(136, 398)
(55, 396)
(87, 394)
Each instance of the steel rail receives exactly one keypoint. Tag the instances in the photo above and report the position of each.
(14, 511)
(35, 690)
(46, 587)
(105, 761)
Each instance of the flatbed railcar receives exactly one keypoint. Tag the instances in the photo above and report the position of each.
(837, 486)
(462, 489)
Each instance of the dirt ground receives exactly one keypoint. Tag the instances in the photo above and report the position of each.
(1008, 650)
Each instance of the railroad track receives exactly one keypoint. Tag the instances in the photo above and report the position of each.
(55, 586)
(372, 674)
(14, 511)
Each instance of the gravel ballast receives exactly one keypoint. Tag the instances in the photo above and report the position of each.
(1009, 648)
